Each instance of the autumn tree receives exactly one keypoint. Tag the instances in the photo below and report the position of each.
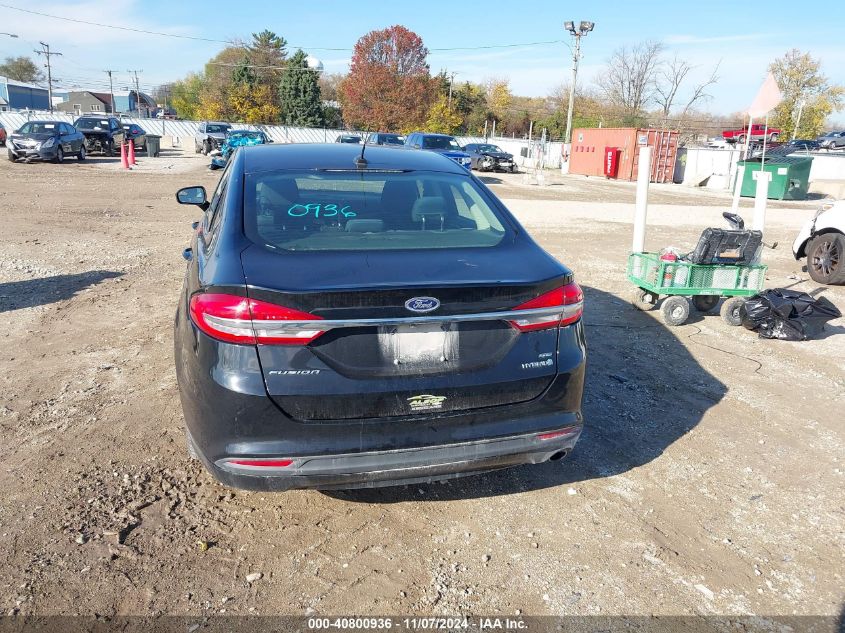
(498, 97)
(185, 95)
(443, 119)
(470, 102)
(389, 87)
(21, 69)
(300, 94)
(804, 88)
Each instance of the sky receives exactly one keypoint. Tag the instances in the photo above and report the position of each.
(703, 33)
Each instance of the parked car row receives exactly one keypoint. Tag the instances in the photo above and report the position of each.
(480, 156)
(56, 140)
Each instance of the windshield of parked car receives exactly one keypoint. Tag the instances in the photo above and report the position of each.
(440, 142)
(37, 128)
(377, 210)
(490, 148)
(216, 129)
(92, 124)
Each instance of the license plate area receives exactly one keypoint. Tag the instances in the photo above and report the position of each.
(424, 346)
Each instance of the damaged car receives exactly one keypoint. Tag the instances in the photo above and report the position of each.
(487, 157)
(103, 135)
(359, 316)
(236, 139)
(45, 141)
(822, 241)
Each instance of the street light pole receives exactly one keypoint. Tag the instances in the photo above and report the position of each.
(583, 28)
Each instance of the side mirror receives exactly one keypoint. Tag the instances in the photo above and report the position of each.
(192, 195)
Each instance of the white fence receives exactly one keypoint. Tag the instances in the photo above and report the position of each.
(548, 155)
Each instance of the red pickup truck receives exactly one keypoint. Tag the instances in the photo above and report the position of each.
(758, 131)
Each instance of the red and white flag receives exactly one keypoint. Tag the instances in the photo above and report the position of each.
(767, 98)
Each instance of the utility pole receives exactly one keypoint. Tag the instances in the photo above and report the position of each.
(111, 88)
(583, 28)
(451, 81)
(45, 50)
(137, 91)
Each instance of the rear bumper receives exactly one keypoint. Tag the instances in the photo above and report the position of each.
(398, 467)
(229, 416)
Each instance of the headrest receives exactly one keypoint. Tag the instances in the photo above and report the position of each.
(428, 206)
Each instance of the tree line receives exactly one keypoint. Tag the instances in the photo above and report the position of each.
(390, 87)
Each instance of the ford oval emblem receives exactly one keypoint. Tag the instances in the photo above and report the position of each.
(422, 304)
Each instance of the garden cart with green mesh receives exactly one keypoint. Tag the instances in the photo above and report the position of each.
(684, 283)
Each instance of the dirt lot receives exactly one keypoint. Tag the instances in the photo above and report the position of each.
(708, 481)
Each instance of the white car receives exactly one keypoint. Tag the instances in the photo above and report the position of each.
(822, 242)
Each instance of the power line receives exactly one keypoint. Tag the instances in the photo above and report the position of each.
(236, 43)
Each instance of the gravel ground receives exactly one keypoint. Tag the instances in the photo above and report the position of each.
(708, 480)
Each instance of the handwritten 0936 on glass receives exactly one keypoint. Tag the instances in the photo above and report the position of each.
(320, 210)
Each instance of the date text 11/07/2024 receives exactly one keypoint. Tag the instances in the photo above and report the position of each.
(438, 623)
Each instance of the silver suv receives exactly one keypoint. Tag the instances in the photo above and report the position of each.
(210, 136)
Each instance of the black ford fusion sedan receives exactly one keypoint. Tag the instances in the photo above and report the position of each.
(352, 321)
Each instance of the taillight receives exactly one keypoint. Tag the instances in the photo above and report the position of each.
(569, 298)
(236, 319)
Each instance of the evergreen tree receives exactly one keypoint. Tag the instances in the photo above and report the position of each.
(300, 94)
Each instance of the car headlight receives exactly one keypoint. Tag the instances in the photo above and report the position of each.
(466, 161)
(49, 142)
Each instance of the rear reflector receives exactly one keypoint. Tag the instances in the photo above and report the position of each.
(236, 319)
(570, 298)
(261, 463)
(554, 434)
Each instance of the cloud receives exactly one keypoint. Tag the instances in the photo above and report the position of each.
(123, 13)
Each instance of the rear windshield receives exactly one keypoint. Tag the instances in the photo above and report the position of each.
(92, 124)
(440, 142)
(322, 211)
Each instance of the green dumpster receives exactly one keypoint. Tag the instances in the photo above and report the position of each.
(153, 145)
(790, 177)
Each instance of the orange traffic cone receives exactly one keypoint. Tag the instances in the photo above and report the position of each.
(131, 152)
(123, 158)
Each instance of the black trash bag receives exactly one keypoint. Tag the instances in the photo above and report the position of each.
(787, 315)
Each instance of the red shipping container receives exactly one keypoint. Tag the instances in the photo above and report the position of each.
(585, 160)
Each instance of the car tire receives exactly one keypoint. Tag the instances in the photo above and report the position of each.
(110, 149)
(740, 139)
(60, 155)
(705, 303)
(730, 310)
(826, 258)
(643, 299)
(196, 148)
(675, 310)
(773, 138)
(12, 156)
(206, 148)
(80, 155)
